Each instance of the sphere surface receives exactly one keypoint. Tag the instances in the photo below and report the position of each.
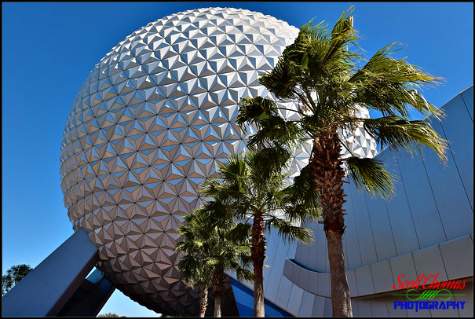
(149, 124)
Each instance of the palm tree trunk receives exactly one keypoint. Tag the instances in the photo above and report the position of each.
(340, 292)
(203, 300)
(218, 283)
(329, 176)
(258, 251)
(217, 304)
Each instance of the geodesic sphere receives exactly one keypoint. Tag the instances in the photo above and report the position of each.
(148, 125)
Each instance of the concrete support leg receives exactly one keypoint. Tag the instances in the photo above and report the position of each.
(91, 296)
(47, 288)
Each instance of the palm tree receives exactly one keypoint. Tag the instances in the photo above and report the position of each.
(193, 267)
(210, 251)
(251, 186)
(110, 315)
(13, 276)
(320, 72)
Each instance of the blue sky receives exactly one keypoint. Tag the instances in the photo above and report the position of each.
(50, 48)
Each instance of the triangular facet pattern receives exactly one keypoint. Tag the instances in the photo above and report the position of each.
(149, 124)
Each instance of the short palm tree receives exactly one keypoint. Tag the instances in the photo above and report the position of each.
(251, 186)
(209, 252)
(320, 72)
(13, 276)
(193, 267)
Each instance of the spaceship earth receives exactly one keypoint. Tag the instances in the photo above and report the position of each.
(150, 123)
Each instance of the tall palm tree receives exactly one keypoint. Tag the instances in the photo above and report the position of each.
(321, 73)
(251, 186)
(210, 251)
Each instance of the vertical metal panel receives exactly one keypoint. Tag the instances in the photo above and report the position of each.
(292, 248)
(283, 292)
(271, 281)
(302, 254)
(324, 284)
(458, 128)
(304, 279)
(467, 310)
(350, 238)
(449, 193)
(295, 300)
(310, 253)
(306, 305)
(320, 252)
(400, 217)
(421, 313)
(313, 282)
(364, 308)
(355, 307)
(444, 313)
(271, 250)
(364, 281)
(318, 306)
(303, 251)
(288, 268)
(395, 312)
(327, 311)
(365, 234)
(467, 96)
(421, 201)
(381, 226)
(281, 255)
(429, 262)
(379, 307)
(454, 251)
(403, 265)
(382, 276)
(295, 274)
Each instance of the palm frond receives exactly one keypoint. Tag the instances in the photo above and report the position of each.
(288, 231)
(369, 174)
(300, 200)
(245, 274)
(275, 130)
(390, 85)
(399, 133)
(342, 33)
(281, 80)
(239, 233)
(216, 214)
(253, 109)
(267, 164)
(234, 172)
(212, 241)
